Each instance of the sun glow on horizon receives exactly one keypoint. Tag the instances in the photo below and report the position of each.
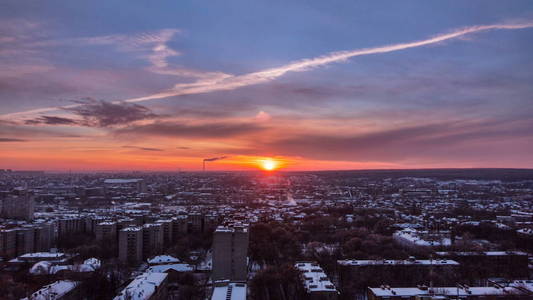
(269, 164)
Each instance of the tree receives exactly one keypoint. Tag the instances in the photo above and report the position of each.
(281, 282)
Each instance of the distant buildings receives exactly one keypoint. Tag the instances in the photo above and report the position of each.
(137, 184)
(230, 253)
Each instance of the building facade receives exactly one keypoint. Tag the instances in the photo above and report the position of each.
(130, 245)
(18, 206)
(230, 253)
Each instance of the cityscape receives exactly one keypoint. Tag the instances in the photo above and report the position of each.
(266, 150)
(308, 235)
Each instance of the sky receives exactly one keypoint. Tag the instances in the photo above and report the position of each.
(307, 85)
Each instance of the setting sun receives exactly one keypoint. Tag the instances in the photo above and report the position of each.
(269, 164)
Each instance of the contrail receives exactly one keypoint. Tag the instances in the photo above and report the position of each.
(230, 82)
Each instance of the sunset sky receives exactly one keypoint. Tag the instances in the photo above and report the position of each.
(309, 85)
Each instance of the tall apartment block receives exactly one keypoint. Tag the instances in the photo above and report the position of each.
(179, 226)
(152, 239)
(197, 222)
(210, 222)
(106, 230)
(123, 223)
(20, 205)
(25, 240)
(91, 222)
(8, 243)
(130, 245)
(43, 236)
(70, 224)
(230, 253)
(167, 231)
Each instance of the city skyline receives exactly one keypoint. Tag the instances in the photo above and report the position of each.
(247, 86)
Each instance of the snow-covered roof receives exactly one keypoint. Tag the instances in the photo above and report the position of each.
(142, 287)
(132, 228)
(428, 262)
(107, 223)
(315, 280)
(42, 255)
(54, 290)
(93, 262)
(488, 253)
(41, 268)
(414, 291)
(46, 267)
(162, 259)
(414, 237)
(175, 267)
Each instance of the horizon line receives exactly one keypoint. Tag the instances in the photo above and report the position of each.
(263, 171)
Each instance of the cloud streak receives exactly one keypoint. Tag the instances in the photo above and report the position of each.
(9, 140)
(184, 130)
(98, 113)
(450, 140)
(143, 148)
(51, 120)
(222, 81)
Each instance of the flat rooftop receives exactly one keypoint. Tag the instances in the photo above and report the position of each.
(315, 280)
(229, 291)
(405, 262)
(488, 253)
(414, 291)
